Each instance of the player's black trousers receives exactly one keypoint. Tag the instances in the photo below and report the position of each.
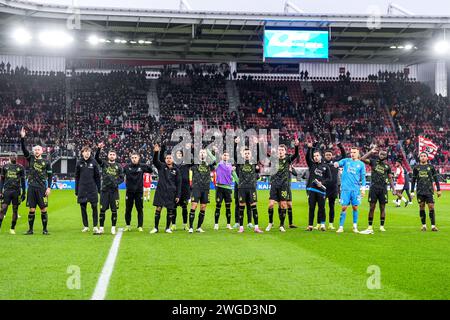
(315, 198)
(84, 215)
(134, 199)
(331, 204)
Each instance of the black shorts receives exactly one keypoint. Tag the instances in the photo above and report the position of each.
(185, 195)
(165, 198)
(201, 196)
(36, 197)
(11, 196)
(427, 198)
(247, 195)
(378, 195)
(109, 200)
(280, 194)
(223, 194)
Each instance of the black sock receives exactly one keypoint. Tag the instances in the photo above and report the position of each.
(102, 218)
(169, 218)
(191, 219)
(290, 216)
(282, 217)
(432, 217)
(173, 217)
(94, 215)
(157, 217)
(185, 214)
(249, 214)
(217, 215)
(382, 221)
(241, 215)
(14, 220)
(201, 217)
(1, 221)
(370, 220)
(228, 212)
(423, 216)
(113, 218)
(31, 217)
(270, 215)
(255, 214)
(44, 219)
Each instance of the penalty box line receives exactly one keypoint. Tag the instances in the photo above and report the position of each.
(108, 268)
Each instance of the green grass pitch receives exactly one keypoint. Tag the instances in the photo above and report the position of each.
(226, 265)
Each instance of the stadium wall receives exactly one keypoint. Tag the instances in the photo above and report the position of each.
(35, 63)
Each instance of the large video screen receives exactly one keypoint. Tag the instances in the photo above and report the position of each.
(295, 44)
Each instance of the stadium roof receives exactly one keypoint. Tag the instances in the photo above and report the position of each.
(219, 36)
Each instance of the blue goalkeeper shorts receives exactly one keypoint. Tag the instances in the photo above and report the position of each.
(352, 197)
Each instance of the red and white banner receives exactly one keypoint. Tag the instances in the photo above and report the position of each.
(428, 146)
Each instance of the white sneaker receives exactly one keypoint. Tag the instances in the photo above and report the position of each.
(269, 227)
(140, 229)
(154, 230)
(367, 231)
(173, 227)
(250, 226)
(200, 230)
(101, 230)
(127, 228)
(185, 227)
(355, 230)
(317, 227)
(12, 231)
(216, 227)
(331, 227)
(229, 227)
(85, 229)
(382, 229)
(282, 229)
(113, 230)
(322, 227)
(340, 230)
(191, 230)
(168, 231)
(95, 230)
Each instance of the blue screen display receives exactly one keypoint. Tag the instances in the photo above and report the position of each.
(295, 44)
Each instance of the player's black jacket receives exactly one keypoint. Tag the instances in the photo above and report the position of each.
(134, 176)
(87, 180)
(169, 179)
(380, 174)
(112, 174)
(332, 185)
(39, 171)
(424, 175)
(12, 178)
(319, 171)
(281, 177)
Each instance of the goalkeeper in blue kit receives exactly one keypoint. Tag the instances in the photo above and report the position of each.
(353, 183)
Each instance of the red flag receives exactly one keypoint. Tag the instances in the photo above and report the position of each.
(428, 146)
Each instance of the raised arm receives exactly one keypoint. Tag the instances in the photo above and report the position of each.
(100, 146)
(342, 149)
(366, 158)
(26, 153)
(293, 157)
(308, 155)
(156, 162)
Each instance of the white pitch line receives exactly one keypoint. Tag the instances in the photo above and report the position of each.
(108, 267)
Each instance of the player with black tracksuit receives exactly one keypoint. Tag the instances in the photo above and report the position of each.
(424, 174)
(333, 184)
(39, 182)
(87, 187)
(12, 181)
(185, 186)
(168, 191)
(112, 177)
(319, 176)
(134, 179)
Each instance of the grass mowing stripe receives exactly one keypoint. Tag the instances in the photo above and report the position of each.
(103, 281)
